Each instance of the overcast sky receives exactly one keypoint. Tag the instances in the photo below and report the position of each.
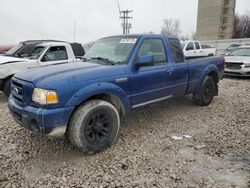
(54, 19)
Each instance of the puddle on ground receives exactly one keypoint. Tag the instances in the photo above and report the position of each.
(227, 171)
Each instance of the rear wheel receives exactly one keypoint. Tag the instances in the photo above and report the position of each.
(7, 87)
(94, 126)
(207, 92)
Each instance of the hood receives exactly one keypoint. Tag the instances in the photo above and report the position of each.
(237, 59)
(70, 73)
(8, 60)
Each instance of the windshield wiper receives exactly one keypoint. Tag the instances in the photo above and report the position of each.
(85, 59)
(106, 60)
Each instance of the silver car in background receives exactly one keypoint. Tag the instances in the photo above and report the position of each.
(238, 62)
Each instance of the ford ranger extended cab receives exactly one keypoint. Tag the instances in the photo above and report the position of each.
(85, 100)
(37, 54)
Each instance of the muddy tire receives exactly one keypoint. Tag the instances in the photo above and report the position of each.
(207, 92)
(94, 126)
(7, 87)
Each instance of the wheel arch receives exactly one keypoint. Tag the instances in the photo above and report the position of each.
(210, 70)
(103, 91)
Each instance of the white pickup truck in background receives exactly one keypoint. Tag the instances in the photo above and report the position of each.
(43, 54)
(193, 49)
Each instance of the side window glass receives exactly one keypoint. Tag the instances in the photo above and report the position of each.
(190, 46)
(197, 46)
(155, 48)
(176, 50)
(56, 53)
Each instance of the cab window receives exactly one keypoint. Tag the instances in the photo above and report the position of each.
(56, 53)
(197, 45)
(154, 47)
(176, 50)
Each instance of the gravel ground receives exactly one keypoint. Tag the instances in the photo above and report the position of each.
(170, 144)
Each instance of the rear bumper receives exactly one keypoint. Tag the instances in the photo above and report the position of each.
(52, 122)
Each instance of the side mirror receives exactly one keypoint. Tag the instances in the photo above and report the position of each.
(145, 60)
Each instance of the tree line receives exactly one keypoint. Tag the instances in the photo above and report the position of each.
(241, 28)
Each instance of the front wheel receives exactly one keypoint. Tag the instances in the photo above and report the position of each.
(207, 92)
(94, 126)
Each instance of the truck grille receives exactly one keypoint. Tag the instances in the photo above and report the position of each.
(21, 91)
(235, 66)
(17, 90)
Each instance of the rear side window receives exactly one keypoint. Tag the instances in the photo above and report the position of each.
(176, 50)
(197, 46)
(155, 48)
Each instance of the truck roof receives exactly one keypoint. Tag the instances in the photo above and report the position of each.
(53, 43)
(38, 41)
(144, 35)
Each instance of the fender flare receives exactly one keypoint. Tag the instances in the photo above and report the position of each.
(97, 89)
(208, 70)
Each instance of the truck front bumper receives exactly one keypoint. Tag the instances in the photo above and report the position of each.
(52, 122)
(244, 72)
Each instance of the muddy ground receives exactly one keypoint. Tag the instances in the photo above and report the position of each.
(169, 144)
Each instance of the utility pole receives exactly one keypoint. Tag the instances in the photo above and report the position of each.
(124, 16)
(126, 25)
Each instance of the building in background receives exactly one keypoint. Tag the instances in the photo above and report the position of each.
(215, 19)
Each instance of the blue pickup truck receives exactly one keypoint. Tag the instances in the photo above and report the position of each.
(85, 100)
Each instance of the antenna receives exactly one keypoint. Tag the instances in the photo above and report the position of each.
(74, 30)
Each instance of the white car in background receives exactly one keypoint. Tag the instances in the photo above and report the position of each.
(193, 49)
(238, 62)
(43, 54)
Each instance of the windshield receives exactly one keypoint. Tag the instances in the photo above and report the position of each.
(183, 44)
(113, 49)
(13, 50)
(240, 52)
(37, 52)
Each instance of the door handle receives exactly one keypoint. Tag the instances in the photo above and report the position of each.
(169, 71)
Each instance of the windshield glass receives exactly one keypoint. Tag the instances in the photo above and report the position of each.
(13, 50)
(37, 52)
(113, 49)
(183, 44)
(240, 52)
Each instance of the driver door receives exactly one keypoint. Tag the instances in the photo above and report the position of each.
(149, 83)
(190, 50)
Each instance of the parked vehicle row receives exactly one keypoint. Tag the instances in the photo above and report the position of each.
(85, 100)
(36, 54)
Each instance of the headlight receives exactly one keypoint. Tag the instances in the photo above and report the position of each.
(43, 96)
